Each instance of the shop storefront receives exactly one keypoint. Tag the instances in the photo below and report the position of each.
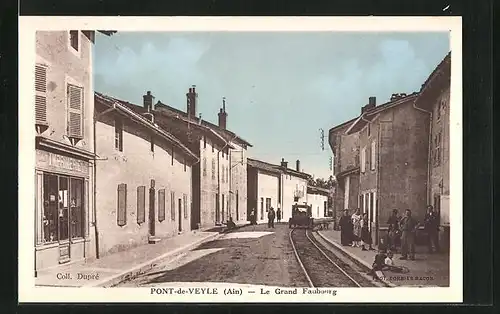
(61, 208)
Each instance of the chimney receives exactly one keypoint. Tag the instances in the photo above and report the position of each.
(284, 164)
(297, 165)
(372, 103)
(148, 101)
(223, 115)
(191, 102)
(398, 96)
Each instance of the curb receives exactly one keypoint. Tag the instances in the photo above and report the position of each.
(354, 258)
(142, 268)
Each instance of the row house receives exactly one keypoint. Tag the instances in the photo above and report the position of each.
(65, 153)
(434, 99)
(217, 189)
(394, 154)
(143, 178)
(318, 199)
(276, 186)
(390, 159)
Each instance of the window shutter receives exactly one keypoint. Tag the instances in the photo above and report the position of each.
(172, 205)
(141, 204)
(184, 199)
(373, 155)
(122, 205)
(75, 111)
(363, 159)
(161, 205)
(40, 94)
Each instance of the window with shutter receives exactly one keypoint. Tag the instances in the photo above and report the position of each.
(161, 205)
(122, 205)
(184, 200)
(363, 159)
(40, 94)
(141, 204)
(204, 166)
(75, 111)
(373, 155)
(172, 205)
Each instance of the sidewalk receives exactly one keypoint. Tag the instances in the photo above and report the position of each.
(115, 268)
(426, 270)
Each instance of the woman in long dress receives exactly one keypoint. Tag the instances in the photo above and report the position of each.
(345, 229)
(366, 237)
(356, 223)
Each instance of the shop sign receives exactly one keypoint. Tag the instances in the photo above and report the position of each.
(59, 162)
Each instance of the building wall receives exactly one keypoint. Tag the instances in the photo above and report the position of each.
(439, 162)
(268, 188)
(212, 167)
(290, 184)
(64, 67)
(137, 166)
(238, 183)
(317, 202)
(403, 161)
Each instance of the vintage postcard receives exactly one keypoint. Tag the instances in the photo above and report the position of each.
(289, 159)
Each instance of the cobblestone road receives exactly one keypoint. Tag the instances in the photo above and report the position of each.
(251, 255)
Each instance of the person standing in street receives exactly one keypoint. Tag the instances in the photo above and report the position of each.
(356, 223)
(345, 229)
(252, 217)
(366, 237)
(393, 230)
(278, 215)
(270, 218)
(431, 226)
(408, 226)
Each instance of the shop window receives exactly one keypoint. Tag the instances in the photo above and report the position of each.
(184, 201)
(73, 39)
(161, 205)
(172, 205)
(41, 94)
(121, 211)
(141, 204)
(63, 208)
(75, 111)
(119, 134)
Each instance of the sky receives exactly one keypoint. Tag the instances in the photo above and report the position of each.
(280, 88)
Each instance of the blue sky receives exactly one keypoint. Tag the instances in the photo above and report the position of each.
(280, 88)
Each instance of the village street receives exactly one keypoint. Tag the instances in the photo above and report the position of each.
(251, 255)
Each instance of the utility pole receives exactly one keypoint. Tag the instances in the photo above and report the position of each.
(322, 138)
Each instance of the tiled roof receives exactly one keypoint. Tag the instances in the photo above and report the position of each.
(317, 190)
(228, 135)
(124, 108)
(259, 164)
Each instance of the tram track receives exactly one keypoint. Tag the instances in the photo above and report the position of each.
(321, 267)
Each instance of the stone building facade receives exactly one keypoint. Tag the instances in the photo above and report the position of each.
(64, 109)
(434, 99)
(143, 176)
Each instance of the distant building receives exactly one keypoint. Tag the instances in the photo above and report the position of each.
(143, 178)
(64, 108)
(263, 187)
(219, 178)
(318, 199)
(435, 99)
(276, 186)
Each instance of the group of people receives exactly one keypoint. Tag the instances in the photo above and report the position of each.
(401, 232)
(355, 230)
(271, 216)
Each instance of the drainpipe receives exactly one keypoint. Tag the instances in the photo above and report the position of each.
(96, 116)
(429, 147)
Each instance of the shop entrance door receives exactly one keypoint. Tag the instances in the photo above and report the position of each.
(63, 221)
